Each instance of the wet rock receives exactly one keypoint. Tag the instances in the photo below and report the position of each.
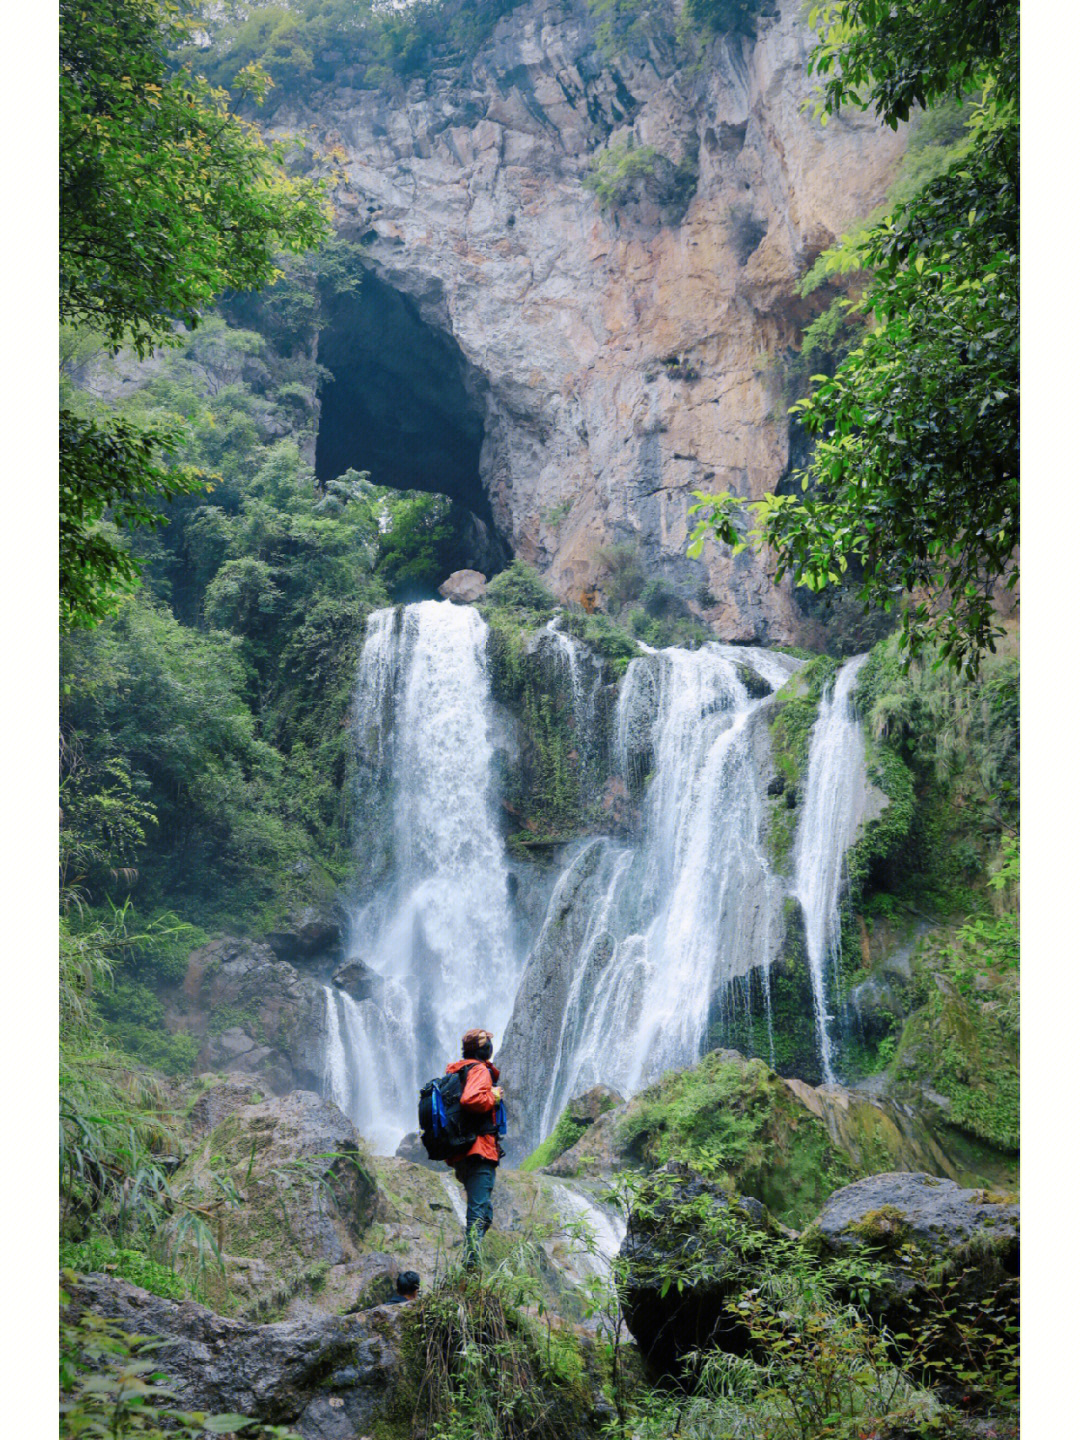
(464, 587)
(776, 785)
(328, 1377)
(412, 1149)
(359, 980)
(311, 933)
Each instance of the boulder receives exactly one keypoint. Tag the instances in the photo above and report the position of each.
(306, 1185)
(310, 933)
(221, 1099)
(691, 1247)
(412, 1149)
(328, 1377)
(359, 980)
(598, 1151)
(943, 1261)
(464, 587)
(584, 1109)
(254, 1013)
(940, 1218)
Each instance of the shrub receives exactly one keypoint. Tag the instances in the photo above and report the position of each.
(519, 587)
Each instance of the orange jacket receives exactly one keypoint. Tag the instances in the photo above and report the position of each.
(477, 1096)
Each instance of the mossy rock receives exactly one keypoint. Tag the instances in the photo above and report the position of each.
(739, 1118)
(965, 1050)
(579, 1115)
(931, 1257)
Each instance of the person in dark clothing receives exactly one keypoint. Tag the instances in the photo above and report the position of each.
(475, 1166)
(407, 1286)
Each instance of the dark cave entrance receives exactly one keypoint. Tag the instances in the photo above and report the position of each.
(405, 405)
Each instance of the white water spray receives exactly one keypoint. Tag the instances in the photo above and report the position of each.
(438, 931)
(689, 908)
(832, 811)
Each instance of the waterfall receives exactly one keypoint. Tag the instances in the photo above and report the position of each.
(601, 1233)
(673, 917)
(437, 927)
(832, 811)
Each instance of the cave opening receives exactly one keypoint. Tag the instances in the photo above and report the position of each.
(402, 402)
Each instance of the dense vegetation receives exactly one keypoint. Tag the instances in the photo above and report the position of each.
(214, 705)
(914, 479)
(167, 198)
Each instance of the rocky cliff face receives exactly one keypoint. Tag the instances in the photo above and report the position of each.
(615, 359)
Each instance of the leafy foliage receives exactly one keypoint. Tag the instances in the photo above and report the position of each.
(481, 1367)
(879, 1338)
(312, 42)
(614, 172)
(111, 1388)
(914, 479)
(167, 198)
(214, 705)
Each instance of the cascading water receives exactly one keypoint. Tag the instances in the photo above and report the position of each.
(832, 811)
(648, 943)
(693, 905)
(437, 931)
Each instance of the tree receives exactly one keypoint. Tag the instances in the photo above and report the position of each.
(914, 481)
(167, 199)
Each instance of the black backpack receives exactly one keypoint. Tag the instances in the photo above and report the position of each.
(445, 1125)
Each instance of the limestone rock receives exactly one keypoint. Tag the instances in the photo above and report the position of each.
(936, 1214)
(328, 1377)
(615, 359)
(255, 1014)
(464, 587)
(965, 1254)
(584, 1109)
(221, 1099)
(597, 1152)
(309, 933)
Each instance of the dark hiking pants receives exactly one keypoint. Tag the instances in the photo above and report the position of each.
(478, 1177)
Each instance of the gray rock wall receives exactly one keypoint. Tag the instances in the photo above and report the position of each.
(622, 359)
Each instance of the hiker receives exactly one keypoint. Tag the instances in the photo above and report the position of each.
(407, 1287)
(475, 1166)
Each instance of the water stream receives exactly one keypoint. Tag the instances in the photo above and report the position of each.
(832, 810)
(667, 920)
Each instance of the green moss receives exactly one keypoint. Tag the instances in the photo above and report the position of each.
(233, 1017)
(568, 1131)
(100, 1253)
(968, 1052)
(737, 1118)
(519, 588)
(885, 1228)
